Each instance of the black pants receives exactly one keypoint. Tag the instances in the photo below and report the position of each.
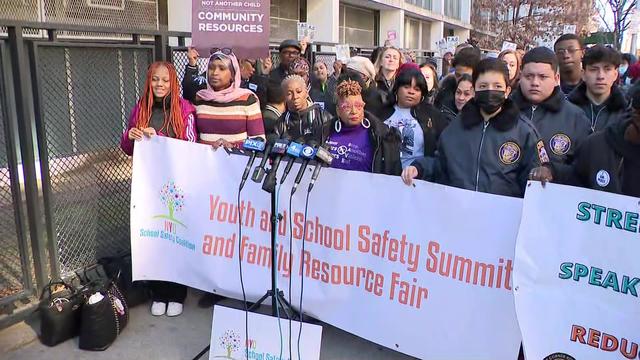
(164, 291)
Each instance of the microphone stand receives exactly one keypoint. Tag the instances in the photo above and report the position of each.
(278, 300)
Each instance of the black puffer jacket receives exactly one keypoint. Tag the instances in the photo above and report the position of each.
(312, 122)
(614, 109)
(493, 157)
(561, 124)
(606, 161)
(386, 146)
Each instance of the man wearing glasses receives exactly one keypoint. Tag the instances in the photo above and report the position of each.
(569, 51)
(289, 51)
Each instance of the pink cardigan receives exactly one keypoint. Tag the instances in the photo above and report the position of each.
(188, 116)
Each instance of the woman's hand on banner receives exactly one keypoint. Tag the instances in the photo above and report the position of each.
(135, 134)
(221, 142)
(542, 174)
(192, 55)
(408, 174)
(149, 132)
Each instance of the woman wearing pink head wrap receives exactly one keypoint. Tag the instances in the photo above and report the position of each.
(226, 113)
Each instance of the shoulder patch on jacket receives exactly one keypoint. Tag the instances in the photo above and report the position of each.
(542, 152)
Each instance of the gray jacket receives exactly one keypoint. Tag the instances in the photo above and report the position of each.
(561, 124)
(493, 157)
(614, 108)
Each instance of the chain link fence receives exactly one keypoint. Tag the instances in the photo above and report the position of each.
(119, 14)
(86, 96)
(13, 268)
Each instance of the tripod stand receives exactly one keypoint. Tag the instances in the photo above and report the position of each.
(278, 300)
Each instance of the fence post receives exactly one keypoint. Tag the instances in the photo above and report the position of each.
(26, 129)
(161, 47)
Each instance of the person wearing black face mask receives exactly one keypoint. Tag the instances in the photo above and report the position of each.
(490, 147)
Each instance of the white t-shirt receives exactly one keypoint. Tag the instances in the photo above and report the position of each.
(411, 134)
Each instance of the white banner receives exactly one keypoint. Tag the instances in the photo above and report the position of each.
(424, 270)
(577, 274)
(228, 337)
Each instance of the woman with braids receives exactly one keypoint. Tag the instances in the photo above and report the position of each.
(161, 111)
(359, 141)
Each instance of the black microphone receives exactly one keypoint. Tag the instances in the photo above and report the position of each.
(308, 153)
(293, 151)
(278, 150)
(254, 145)
(325, 157)
(258, 173)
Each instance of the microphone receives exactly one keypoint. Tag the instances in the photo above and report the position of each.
(308, 153)
(254, 145)
(258, 173)
(278, 150)
(325, 157)
(294, 151)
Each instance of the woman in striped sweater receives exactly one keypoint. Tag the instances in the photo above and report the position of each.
(226, 113)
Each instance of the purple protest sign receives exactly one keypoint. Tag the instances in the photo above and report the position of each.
(240, 25)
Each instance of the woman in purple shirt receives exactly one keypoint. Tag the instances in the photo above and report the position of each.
(359, 141)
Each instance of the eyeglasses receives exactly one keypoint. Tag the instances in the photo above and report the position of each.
(346, 106)
(225, 51)
(567, 51)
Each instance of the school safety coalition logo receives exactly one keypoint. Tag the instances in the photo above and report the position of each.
(509, 153)
(173, 198)
(229, 344)
(560, 144)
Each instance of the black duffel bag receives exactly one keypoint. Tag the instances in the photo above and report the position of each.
(59, 312)
(104, 313)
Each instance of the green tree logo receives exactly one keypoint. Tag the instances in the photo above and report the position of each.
(173, 198)
(229, 341)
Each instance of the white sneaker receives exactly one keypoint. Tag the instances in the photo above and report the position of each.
(158, 308)
(174, 309)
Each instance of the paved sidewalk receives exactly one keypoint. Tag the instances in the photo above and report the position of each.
(182, 337)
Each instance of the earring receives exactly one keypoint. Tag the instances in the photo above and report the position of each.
(366, 123)
(337, 126)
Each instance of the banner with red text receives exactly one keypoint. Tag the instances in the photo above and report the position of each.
(577, 274)
(423, 270)
(243, 26)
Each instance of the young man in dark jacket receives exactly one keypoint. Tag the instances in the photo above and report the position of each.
(489, 147)
(609, 160)
(598, 96)
(561, 124)
(569, 51)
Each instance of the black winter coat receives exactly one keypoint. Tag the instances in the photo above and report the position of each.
(606, 161)
(614, 108)
(493, 157)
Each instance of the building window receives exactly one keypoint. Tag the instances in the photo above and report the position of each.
(425, 4)
(357, 26)
(284, 19)
(452, 9)
(417, 34)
